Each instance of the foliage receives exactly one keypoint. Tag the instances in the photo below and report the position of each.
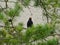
(14, 12)
(1, 16)
(39, 32)
(49, 42)
(25, 2)
(47, 6)
(52, 42)
(14, 35)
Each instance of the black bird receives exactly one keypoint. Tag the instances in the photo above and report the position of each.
(30, 22)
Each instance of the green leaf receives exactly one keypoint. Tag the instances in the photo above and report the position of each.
(1, 16)
(26, 2)
(19, 27)
(52, 42)
(37, 2)
(43, 31)
(14, 12)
